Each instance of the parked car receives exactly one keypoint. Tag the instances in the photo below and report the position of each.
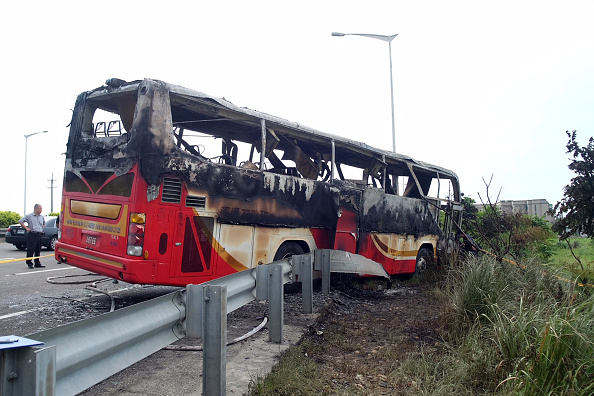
(17, 235)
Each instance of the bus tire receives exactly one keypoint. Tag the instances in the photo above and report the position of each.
(425, 265)
(286, 250)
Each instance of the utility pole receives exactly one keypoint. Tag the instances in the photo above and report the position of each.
(51, 187)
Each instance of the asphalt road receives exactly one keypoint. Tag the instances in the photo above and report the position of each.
(35, 299)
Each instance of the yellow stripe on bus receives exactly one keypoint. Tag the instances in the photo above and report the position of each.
(94, 258)
(395, 253)
(95, 209)
(118, 228)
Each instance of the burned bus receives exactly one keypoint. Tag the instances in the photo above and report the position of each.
(167, 185)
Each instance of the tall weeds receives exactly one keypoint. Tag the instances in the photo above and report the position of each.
(523, 330)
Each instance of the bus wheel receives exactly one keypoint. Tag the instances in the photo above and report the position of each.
(425, 263)
(289, 249)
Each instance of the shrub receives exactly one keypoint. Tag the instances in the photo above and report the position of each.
(8, 218)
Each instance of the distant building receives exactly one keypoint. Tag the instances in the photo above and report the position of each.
(532, 207)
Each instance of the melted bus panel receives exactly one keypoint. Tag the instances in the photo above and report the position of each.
(167, 185)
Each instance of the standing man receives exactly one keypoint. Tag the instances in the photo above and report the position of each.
(35, 224)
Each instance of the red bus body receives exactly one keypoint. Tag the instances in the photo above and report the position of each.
(143, 205)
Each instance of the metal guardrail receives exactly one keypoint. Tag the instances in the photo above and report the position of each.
(79, 355)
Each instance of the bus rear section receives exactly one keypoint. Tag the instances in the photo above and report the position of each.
(103, 225)
(132, 239)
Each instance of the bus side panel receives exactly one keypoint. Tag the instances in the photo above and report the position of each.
(267, 241)
(324, 238)
(393, 252)
(253, 197)
(347, 225)
(386, 213)
(164, 223)
(347, 231)
(234, 251)
(393, 228)
(397, 253)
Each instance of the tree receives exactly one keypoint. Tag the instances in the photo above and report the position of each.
(574, 214)
(469, 215)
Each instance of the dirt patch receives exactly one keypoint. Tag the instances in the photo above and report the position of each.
(362, 339)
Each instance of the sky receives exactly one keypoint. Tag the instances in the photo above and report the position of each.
(485, 89)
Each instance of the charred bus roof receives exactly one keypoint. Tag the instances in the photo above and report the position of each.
(197, 111)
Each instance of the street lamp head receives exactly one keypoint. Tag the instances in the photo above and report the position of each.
(34, 133)
(382, 37)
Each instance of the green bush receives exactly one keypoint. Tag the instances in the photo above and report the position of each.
(540, 328)
(562, 245)
(8, 218)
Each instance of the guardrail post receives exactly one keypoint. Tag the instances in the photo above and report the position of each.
(194, 310)
(303, 265)
(263, 275)
(214, 363)
(28, 371)
(322, 262)
(276, 304)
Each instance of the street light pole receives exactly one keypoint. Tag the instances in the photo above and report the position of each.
(388, 39)
(25, 194)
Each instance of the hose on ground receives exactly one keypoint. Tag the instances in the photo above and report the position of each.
(200, 347)
(52, 279)
(94, 288)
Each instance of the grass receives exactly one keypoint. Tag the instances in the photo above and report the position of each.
(538, 331)
(296, 375)
(506, 330)
(584, 249)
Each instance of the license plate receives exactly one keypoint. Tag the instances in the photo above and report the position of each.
(91, 240)
(20, 231)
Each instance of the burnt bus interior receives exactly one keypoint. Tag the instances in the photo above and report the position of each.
(213, 129)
